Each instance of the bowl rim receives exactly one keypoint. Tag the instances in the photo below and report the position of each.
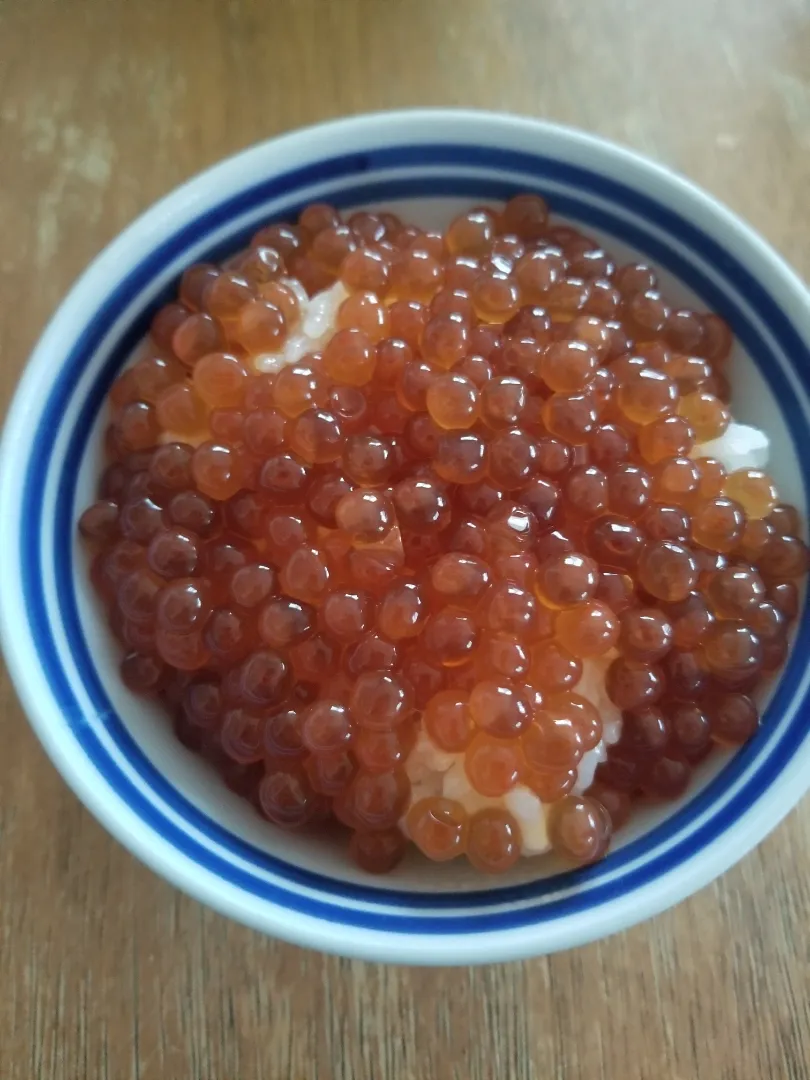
(126, 826)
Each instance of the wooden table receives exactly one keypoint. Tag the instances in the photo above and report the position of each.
(105, 970)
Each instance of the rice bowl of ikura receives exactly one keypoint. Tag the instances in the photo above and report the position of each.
(406, 537)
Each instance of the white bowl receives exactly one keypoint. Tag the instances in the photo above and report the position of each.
(118, 752)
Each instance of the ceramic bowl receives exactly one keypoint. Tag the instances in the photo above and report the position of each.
(118, 752)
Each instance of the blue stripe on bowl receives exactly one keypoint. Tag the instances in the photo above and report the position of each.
(740, 291)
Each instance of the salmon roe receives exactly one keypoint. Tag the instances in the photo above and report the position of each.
(426, 533)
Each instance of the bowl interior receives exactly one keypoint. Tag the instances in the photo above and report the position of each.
(147, 725)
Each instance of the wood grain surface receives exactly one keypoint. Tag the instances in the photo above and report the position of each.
(105, 970)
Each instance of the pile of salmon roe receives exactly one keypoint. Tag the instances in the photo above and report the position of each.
(480, 483)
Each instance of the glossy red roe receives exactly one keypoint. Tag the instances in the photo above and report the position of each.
(437, 530)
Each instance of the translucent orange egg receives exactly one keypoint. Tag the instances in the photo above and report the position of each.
(666, 437)
(567, 298)
(493, 765)
(438, 827)
(753, 490)
(447, 721)
(718, 524)
(568, 366)
(260, 265)
(668, 571)
(306, 575)
(493, 841)
(260, 327)
(416, 275)
(453, 402)
(580, 829)
(445, 339)
(220, 379)
(707, 415)
(646, 396)
(564, 581)
(331, 246)
(349, 357)
(587, 629)
(315, 436)
(499, 708)
(495, 297)
(460, 458)
(676, 481)
(570, 417)
(379, 701)
(366, 270)
(364, 311)
(450, 636)
(526, 216)
(535, 273)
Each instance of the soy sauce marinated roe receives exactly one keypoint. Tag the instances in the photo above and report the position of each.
(433, 520)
